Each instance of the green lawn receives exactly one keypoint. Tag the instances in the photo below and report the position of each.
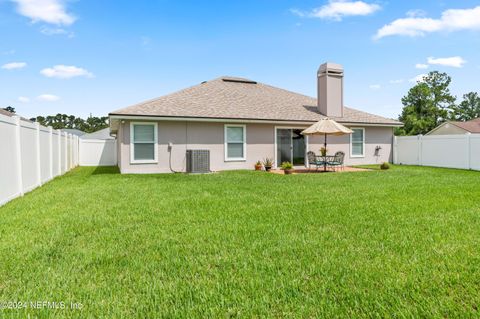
(398, 243)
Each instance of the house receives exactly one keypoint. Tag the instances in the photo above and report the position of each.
(241, 121)
(73, 131)
(455, 127)
(11, 114)
(103, 134)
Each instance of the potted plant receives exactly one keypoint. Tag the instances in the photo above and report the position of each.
(268, 163)
(323, 151)
(258, 166)
(287, 168)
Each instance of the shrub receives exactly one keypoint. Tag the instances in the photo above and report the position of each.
(385, 165)
(268, 162)
(287, 165)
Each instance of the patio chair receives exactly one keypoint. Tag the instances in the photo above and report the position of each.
(337, 160)
(312, 160)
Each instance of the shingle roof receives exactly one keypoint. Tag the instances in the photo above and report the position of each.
(103, 134)
(472, 126)
(238, 98)
(73, 131)
(10, 114)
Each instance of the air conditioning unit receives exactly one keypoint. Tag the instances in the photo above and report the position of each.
(198, 161)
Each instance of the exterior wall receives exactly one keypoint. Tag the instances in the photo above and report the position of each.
(260, 144)
(447, 129)
(374, 136)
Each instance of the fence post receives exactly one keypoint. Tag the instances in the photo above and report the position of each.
(420, 148)
(38, 156)
(395, 150)
(59, 141)
(77, 148)
(18, 152)
(469, 150)
(66, 151)
(50, 145)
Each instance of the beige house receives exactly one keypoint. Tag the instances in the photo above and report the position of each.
(240, 121)
(455, 127)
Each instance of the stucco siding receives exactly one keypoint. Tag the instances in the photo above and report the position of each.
(260, 143)
(374, 136)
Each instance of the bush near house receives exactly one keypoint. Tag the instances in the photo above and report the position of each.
(399, 243)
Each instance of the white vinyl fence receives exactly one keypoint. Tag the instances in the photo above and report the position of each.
(31, 154)
(454, 151)
(98, 152)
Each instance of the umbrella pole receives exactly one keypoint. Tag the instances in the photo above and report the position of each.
(325, 159)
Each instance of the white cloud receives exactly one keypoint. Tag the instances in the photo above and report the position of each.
(454, 61)
(396, 81)
(418, 78)
(421, 66)
(451, 20)
(375, 86)
(23, 99)
(65, 72)
(56, 31)
(14, 65)
(49, 11)
(48, 98)
(337, 9)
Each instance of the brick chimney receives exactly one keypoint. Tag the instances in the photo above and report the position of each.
(330, 89)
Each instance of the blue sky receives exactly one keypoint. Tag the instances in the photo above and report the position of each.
(81, 57)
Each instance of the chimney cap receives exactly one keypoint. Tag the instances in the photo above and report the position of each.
(329, 66)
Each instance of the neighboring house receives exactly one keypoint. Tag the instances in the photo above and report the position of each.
(73, 131)
(241, 121)
(454, 127)
(103, 134)
(10, 114)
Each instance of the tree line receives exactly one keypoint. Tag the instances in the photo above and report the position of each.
(64, 121)
(429, 103)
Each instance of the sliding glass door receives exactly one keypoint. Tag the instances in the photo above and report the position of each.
(284, 146)
(290, 146)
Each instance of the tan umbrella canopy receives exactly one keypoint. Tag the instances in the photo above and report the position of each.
(326, 127)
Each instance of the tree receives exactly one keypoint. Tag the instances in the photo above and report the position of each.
(64, 121)
(427, 104)
(468, 109)
(9, 109)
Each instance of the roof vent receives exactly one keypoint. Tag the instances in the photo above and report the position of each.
(238, 80)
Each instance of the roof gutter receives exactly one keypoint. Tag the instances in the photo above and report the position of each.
(230, 120)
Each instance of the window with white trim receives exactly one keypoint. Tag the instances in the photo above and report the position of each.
(357, 142)
(143, 142)
(235, 142)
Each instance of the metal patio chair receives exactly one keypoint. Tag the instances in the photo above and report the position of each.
(337, 160)
(313, 160)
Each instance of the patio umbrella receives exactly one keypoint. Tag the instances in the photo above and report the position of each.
(326, 127)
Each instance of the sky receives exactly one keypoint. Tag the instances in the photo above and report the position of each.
(87, 57)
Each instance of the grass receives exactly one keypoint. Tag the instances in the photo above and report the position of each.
(397, 243)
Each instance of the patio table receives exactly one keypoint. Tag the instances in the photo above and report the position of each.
(325, 159)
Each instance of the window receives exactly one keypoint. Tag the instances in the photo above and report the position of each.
(357, 142)
(143, 142)
(235, 143)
